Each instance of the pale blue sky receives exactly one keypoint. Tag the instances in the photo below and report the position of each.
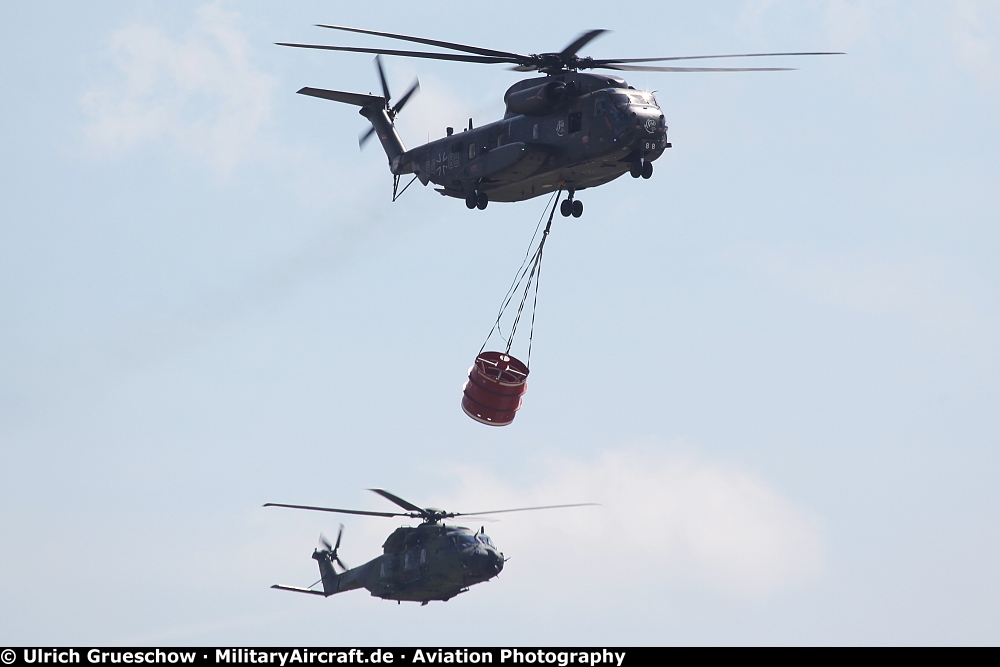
(775, 363)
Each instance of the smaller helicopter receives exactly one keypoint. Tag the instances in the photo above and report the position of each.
(432, 561)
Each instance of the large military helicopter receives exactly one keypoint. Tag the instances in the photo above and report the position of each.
(567, 130)
(432, 561)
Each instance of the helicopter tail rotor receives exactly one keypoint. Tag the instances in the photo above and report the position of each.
(390, 110)
(328, 552)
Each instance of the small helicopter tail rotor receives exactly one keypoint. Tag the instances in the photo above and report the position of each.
(330, 552)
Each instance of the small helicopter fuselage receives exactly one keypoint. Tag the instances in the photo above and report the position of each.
(573, 130)
(432, 561)
(428, 562)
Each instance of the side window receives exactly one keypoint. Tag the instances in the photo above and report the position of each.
(601, 106)
(534, 131)
(575, 122)
(472, 150)
(423, 556)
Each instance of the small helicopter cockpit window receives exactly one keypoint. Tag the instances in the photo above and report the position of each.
(463, 540)
(485, 539)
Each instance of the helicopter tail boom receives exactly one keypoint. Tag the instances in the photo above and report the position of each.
(373, 107)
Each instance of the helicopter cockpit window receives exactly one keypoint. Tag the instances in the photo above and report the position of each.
(620, 99)
(601, 105)
(485, 539)
(463, 540)
(644, 99)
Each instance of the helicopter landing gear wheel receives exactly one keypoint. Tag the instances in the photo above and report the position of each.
(636, 169)
(647, 170)
(471, 201)
(566, 208)
(577, 207)
(482, 201)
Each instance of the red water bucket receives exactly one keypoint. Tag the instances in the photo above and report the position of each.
(492, 396)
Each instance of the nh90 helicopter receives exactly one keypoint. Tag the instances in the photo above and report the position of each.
(567, 130)
(432, 561)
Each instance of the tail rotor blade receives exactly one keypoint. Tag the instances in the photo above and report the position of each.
(365, 136)
(325, 543)
(406, 98)
(381, 76)
(340, 534)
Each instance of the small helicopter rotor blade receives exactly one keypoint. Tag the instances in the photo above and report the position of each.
(645, 68)
(340, 533)
(365, 136)
(406, 97)
(580, 42)
(325, 543)
(339, 562)
(524, 509)
(429, 42)
(331, 509)
(381, 77)
(408, 54)
(406, 505)
(601, 62)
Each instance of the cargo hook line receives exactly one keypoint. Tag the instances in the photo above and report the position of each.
(532, 270)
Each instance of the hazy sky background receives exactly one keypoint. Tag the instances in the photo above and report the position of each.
(775, 363)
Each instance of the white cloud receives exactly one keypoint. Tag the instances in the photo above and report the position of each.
(200, 92)
(973, 30)
(669, 517)
(920, 287)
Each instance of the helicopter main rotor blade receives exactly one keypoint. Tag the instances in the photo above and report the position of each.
(580, 42)
(524, 509)
(600, 62)
(405, 504)
(489, 60)
(430, 42)
(644, 68)
(331, 509)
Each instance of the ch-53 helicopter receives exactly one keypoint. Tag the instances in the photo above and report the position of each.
(567, 130)
(432, 561)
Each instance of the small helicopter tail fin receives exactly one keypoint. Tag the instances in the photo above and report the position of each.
(328, 575)
(374, 108)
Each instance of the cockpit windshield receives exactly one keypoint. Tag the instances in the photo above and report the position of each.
(643, 98)
(463, 540)
(485, 539)
(637, 97)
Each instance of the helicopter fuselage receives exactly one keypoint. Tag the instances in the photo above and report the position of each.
(573, 130)
(421, 564)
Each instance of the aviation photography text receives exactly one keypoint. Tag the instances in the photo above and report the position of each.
(316, 656)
